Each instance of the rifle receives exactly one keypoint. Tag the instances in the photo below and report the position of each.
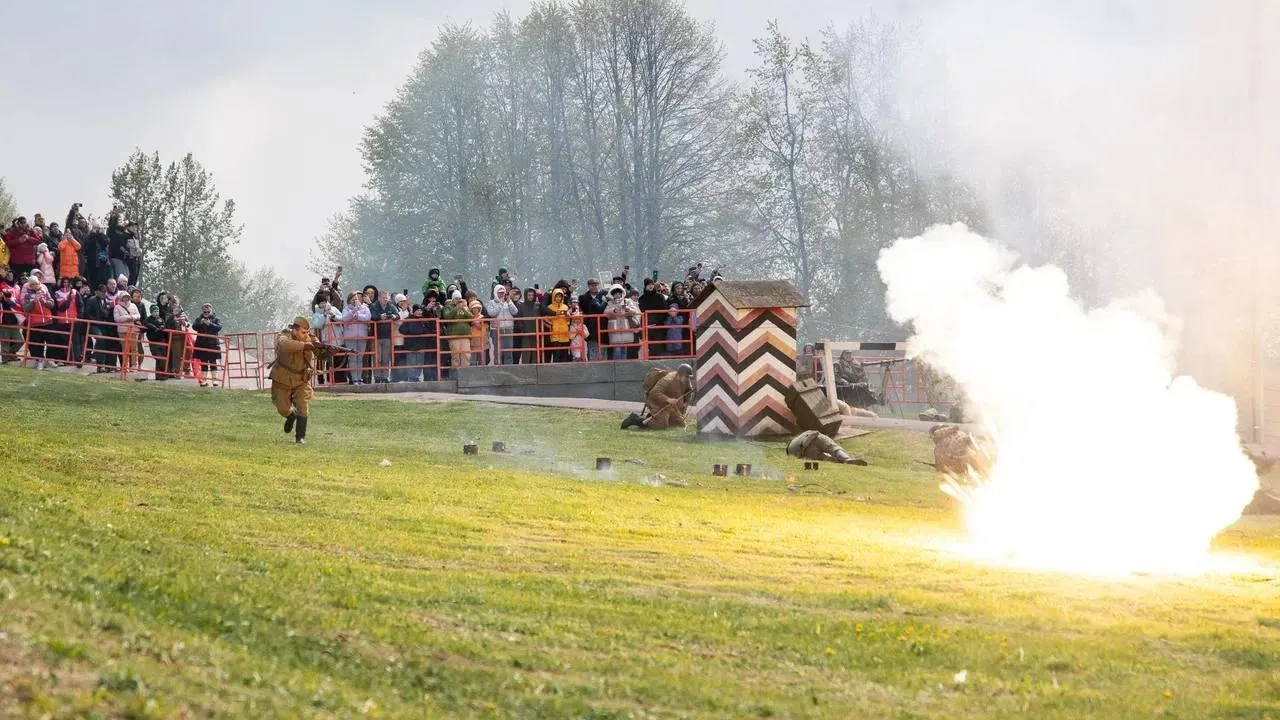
(322, 348)
(326, 349)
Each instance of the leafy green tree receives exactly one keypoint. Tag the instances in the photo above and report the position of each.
(186, 231)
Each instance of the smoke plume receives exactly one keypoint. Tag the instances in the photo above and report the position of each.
(1106, 461)
(1129, 142)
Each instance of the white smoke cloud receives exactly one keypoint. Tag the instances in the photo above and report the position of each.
(1130, 140)
(1106, 462)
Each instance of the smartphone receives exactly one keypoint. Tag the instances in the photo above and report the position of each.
(655, 276)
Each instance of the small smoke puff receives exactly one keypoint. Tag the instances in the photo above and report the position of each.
(961, 677)
(385, 463)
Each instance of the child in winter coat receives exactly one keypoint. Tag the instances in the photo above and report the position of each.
(578, 335)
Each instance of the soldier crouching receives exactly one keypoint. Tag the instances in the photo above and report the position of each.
(666, 399)
(291, 375)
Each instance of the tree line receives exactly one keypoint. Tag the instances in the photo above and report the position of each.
(590, 134)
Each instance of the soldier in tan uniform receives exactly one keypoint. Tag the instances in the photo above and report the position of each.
(958, 453)
(291, 375)
(813, 445)
(666, 399)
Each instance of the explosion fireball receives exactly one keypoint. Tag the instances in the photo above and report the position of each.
(1105, 462)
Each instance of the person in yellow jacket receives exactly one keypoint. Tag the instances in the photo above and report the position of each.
(291, 374)
(557, 325)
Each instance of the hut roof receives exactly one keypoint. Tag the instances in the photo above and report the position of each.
(751, 294)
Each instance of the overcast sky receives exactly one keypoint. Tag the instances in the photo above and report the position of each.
(270, 95)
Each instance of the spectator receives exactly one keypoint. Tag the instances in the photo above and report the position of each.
(11, 320)
(175, 332)
(79, 330)
(112, 291)
(208, 346)
(329, 292)
(479, 330)
(126, 317)
(383, 312)
(64, 318)
(97, 256)
(68, 256)
(591, 303)
(578, 334)
(116, 238)
(21, 240)
(457, 327)
(557, 324)
(526, 328)
(414, 331)
(355, 334)
(398, 357)
(433, 282)
(37, 305)
(503, 311)
(157, 339)
(324, 323)
(99, 313)
(44, 261)
(621, 317)
(676, 330)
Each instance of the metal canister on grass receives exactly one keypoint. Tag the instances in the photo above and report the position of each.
(471, 449)
(603, 464)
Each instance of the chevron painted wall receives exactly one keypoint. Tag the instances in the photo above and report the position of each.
(746, 341)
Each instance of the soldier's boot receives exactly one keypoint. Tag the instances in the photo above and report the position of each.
(633, 420)
(847, 459)
(289, 421)
(300, 436)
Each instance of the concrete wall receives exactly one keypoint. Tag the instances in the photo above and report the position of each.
(600, 381)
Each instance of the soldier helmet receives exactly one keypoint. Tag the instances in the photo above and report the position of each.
(685, 369)
(301, 323)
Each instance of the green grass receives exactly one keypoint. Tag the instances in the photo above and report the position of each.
(168, 552)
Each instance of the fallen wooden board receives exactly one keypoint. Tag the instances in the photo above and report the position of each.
(882, 423)
(848, 433)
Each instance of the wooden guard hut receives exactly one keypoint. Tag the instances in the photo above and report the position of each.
(746, 340)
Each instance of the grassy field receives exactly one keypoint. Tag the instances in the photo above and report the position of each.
(168, 552)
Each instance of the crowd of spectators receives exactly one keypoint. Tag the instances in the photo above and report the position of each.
(392, 338)
(72, 294)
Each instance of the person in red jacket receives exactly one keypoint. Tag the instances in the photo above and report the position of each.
(21, 240)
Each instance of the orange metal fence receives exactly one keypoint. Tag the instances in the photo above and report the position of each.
(406, 350)
(409, 350)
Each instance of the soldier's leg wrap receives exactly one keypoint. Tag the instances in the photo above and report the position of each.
(302, 401)
(289, 421)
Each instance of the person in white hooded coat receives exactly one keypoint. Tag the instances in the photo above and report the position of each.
(624, 317)
(501, 309)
